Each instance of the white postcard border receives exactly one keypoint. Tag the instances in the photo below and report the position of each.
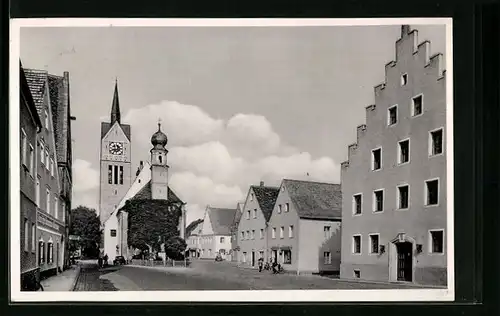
(412, 295)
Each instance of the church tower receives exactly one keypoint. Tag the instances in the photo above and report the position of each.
(115, 160)
(159, 166)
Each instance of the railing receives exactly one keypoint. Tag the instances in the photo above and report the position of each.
(161, 263)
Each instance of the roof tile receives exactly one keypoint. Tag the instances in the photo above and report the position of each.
(221, 220)
(266, 196)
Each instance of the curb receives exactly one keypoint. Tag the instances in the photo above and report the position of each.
(75, 282)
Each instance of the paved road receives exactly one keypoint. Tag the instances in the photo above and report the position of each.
(205, 275)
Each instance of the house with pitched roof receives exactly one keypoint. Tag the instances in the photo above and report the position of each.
(253, 224)
(215, 237)
(305, 227)
(52, 172)
(234, 232)
(193, 232)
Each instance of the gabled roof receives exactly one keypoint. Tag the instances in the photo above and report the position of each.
(105, 127)
(266, 197)
(237, 217)
(194, 227)
(221, 219)
(145, 194)
(315, 200)
(25, 91)
(37, 81)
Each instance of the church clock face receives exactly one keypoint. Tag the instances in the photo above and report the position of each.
(116, 148)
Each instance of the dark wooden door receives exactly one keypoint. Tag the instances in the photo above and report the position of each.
(404, 261)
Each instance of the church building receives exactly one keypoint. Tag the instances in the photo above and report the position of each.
(150, 183)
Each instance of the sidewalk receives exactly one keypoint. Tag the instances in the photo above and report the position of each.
(62, 282)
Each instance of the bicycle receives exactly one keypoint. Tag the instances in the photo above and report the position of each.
(38, 286)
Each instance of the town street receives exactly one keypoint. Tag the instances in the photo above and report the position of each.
(205, 275)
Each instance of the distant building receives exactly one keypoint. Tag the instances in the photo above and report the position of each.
(253, 224)
(53, 172)
(151, 183)
(305, 227)
(193, 232)
(234, 232)
(394, 182)
(215, 237)
(30, 125)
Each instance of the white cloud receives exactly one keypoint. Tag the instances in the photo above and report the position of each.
(84, 176)
(212, 161)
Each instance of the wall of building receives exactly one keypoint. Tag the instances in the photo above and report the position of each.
(110, 242)
(223, 242)
(112, 194)
(313, 243)
(247, 223)
(284, 219)
(28, 137)
(425, 75)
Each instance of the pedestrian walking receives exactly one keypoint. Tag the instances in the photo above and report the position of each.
(261, 264)
(105, 260)
(99, 262)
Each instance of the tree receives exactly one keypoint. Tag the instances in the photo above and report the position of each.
(86, 224)
(152, 223)
(175, 247)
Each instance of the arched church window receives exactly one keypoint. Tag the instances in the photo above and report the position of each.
(159, 157)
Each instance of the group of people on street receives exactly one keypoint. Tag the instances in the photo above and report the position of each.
(275, 266)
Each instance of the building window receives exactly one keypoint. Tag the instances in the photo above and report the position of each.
(121, 174)
(356, 244)
(261, 233)
(251, 196)
(287, 207)
(327, 232)
(437, 241)
(244, 257)
(41, 252)
(110, 174)
(404, 151)
(404, 79)
(287, 257)
(290, 231)
(26, 235)
(378, 201)
(242, 235)
(37, 191)
(113, 232)
(47, 158)
(248, 235)
(42, 154)
(357, 204)
(377, 159)
(273, 233)
(280, 208)
(46, 115)
(357, 274)
(47, 202)
(63, 208)
(253, 233)
(50, 252)
(23, 147)
(261, 254)
(282, 232)
(327, 257)
(51, 167)
(417, 105)
(374, 241)
(392, 115)
(33, 237)
(403, 197)
(32, 160)
(221, 240)
(56, 200)
(115, 174)
(248, 214)
(432, 192)
(436, 142)
(255, 213)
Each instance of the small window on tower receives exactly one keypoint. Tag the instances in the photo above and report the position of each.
(159, 157)
(121, 174)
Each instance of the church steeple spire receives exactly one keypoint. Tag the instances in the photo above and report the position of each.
(115, 109)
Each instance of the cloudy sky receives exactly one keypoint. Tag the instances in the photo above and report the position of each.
(239, 105)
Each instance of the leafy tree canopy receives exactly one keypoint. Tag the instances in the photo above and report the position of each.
(152, 223)
(86, 224)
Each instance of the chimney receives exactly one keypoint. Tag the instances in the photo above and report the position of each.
(261, 183)
(405, 30)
